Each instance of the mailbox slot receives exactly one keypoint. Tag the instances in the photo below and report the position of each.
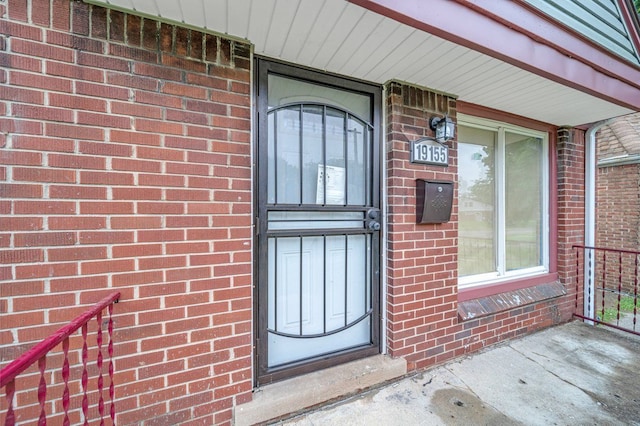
(434, 199)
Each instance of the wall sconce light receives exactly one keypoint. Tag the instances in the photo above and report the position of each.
(444, 127)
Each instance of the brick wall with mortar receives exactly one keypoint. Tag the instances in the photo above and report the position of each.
(618, 197)
(422, 259)
(571, 212)
(125, 165)
(618, 207)
(618, 220)
(423, 323)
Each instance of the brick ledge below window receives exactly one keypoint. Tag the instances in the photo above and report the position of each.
(484, 306)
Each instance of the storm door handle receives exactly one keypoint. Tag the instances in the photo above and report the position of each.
(373, 220)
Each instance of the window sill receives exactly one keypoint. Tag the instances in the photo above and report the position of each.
(492, 304)
(505, 285)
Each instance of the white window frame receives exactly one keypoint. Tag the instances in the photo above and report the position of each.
(501, 274)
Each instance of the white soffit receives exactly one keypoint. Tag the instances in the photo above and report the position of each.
(343, 38)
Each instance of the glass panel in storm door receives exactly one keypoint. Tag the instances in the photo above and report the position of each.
(358, 151)
(287, 91)
(312, 151)
(318, 299)
(271, 159)
(284, 168)
(305, 137)
(333, 176)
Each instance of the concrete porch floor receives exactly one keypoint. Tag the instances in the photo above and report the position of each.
(573, 374)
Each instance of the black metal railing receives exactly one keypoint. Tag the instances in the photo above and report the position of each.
(610, 280)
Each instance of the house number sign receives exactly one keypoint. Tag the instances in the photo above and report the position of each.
(428, 151)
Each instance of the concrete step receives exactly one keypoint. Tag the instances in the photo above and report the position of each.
(301, 393)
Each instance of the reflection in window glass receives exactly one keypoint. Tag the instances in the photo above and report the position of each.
(502, 206)
(523, 200)
(319, 145)
(312, 152)
(318, 155)
(271, 161)
(476, 233)
(284, 91)
(335, 172)
(357, 137)
(288, 166)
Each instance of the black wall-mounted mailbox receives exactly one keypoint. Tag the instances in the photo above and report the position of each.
(434, 199)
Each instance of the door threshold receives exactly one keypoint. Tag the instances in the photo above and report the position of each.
(301, 393)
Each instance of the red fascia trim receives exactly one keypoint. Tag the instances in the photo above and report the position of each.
(632, 20)
(491, 289)
(498, 115)
(543, 29)
(477, 29)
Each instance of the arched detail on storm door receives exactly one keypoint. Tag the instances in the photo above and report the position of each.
(320, 241)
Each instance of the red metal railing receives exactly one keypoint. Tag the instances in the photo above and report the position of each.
(611, 280)
(39, 354)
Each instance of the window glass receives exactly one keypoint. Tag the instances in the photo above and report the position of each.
(476, 233)
(503, 194)
(523, 201)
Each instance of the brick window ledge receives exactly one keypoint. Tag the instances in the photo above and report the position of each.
(489, 305)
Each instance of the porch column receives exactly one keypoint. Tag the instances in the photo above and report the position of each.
(571, 212)
(422, 259)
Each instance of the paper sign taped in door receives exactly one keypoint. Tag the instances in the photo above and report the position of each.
(335, 184)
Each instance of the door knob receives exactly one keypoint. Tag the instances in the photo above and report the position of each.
(373, 214)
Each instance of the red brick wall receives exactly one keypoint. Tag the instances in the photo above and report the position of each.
(618, 219)
(125, 165)
(422, 259)
(422, 302)
(571, 212)
(618, 207)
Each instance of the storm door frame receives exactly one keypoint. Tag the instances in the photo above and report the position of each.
(263, 67)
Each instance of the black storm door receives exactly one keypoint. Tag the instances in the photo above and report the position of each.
(317, 220)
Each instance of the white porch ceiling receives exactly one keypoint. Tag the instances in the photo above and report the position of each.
(343, 38)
